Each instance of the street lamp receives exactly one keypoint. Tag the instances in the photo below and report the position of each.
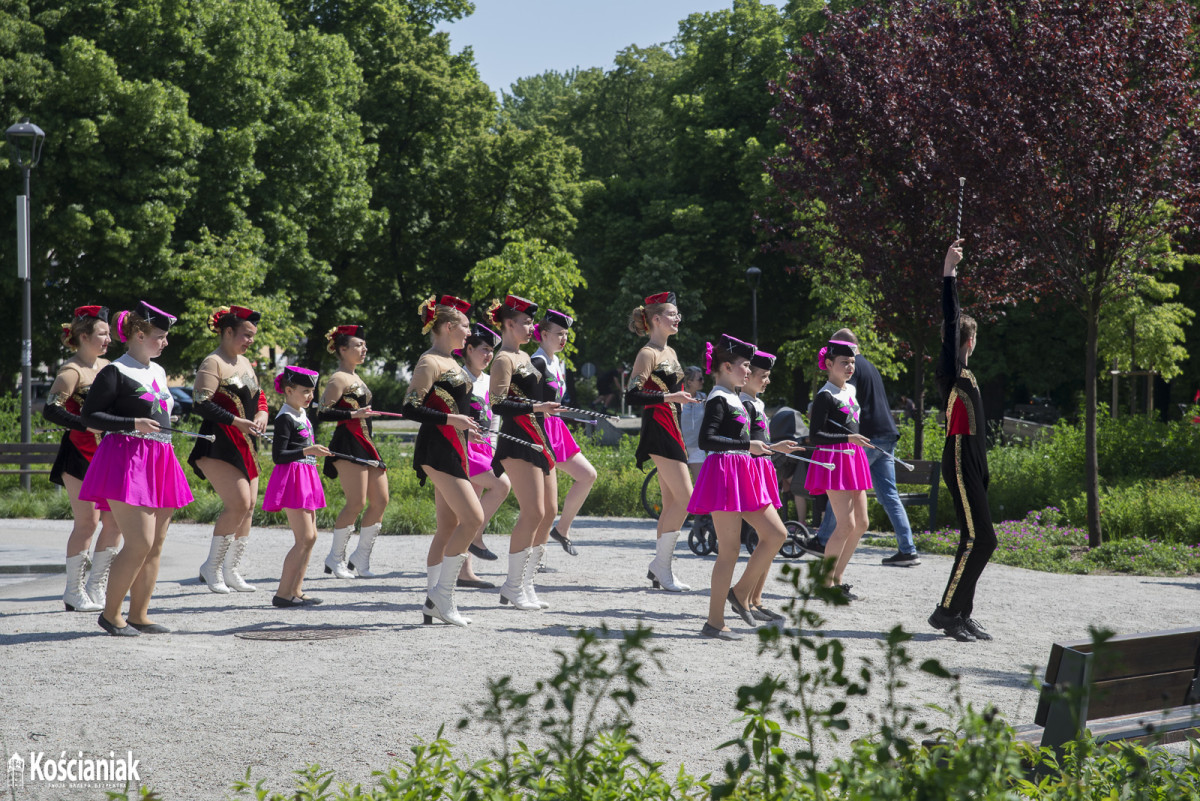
(753, 274)
(26, 140)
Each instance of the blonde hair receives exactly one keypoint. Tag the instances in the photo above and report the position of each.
(639, 318)
(433, 314)
(81, 326)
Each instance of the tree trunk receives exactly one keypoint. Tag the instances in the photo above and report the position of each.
(1091, 456)
(919, 401)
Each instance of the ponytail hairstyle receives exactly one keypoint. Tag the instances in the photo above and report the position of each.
(129, 323)
(232, 317)
(435, 312)
(83, 323)
(639, 318)
(339, 336)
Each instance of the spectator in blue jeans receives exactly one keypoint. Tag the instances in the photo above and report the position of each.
(876, 425)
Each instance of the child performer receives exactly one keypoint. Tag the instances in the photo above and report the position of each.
(514, 390)
(135, 471)
(552, 332)
(87, 334)
(834, 428)
(491, 489)
(731, 487)
(655, 385)
(439, 398)
(347, 400)
(295, 485)
(964, 462)
(233, 409)
(759, 379)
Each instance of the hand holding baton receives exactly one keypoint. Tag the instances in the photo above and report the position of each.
(511, 438)
(357, 460)
(192, 434)
(895, 459)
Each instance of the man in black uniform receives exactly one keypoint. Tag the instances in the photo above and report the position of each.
(964, 462)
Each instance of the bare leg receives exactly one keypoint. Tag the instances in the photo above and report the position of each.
(377, 496)
(353, 478)
(110, 532)
(729, 544)
(447, 521)
(237, 494)
(850, 507)
(549, 507)
(675, 482)
(771, 535)
(139, 526)
(86, 517)
(143, 584)
(529, 486)
(304, 528)
(460, 502)
(580, 469)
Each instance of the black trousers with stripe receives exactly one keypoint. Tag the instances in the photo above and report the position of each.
(964, 469)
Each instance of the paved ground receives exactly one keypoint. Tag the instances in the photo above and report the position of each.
(199, 706)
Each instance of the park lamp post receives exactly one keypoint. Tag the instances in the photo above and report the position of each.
(753, 274)
(26, 140)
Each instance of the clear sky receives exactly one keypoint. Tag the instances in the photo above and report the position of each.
(516, 38)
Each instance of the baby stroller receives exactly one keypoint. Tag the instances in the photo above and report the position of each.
(785, 424)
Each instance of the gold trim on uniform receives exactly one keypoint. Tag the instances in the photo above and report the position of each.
(961, 564)
(202, 395)
(57, 398)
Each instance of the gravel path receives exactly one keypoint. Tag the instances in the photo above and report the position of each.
(199, 706)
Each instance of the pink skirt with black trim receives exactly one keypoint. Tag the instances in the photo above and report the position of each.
(851, 470)
(294, 485)
(733, 481)
(136, 471)
(561, 441)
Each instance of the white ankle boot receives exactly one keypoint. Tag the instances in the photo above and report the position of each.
(210, 571)
(97, 583)
(229, 567)
(75, 597)
(440, 603)
(360, 560)
(536, 554)
(432, 572)
(512, 591)
(335, 563)
(660, 572)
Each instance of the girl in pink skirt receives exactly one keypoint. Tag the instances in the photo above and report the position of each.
(295, 485)
(833, 427)
(135, 472)
(731, 488)
(552, 332)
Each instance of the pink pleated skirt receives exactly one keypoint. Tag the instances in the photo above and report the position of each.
(561, 441)
(734, 481)
(851, 470)
(294, 485)
(136, 471)
(479, 458)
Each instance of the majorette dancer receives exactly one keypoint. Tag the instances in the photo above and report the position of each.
(552, 333)
(964, 462)
(732, 487)
(134, 471)
(757, 381)
(234, 410)
(347, 400)
(655, 385)
(439, 399)
(833, 427)
(88, 336)
(295, 485)
(491, 489)
(529, 462)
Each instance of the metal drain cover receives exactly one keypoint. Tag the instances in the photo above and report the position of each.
(299, 633)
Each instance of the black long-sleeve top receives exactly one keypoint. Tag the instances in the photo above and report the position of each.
(960, 391)
(835, 414)
(725, 426)
(292, 436)
(124, 391)
(756, 414)
(61, 416)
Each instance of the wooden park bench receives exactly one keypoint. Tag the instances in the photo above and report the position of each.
(1140, 687)
(27, 457)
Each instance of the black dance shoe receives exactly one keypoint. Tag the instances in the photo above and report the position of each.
(742, 611)
(972, 625)
(122, 631)
(286, 603)
(151, 628)
(482, 552)
(310, 600)
(952, 624)
(718, 634)
(564, 541)
(474, 584)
